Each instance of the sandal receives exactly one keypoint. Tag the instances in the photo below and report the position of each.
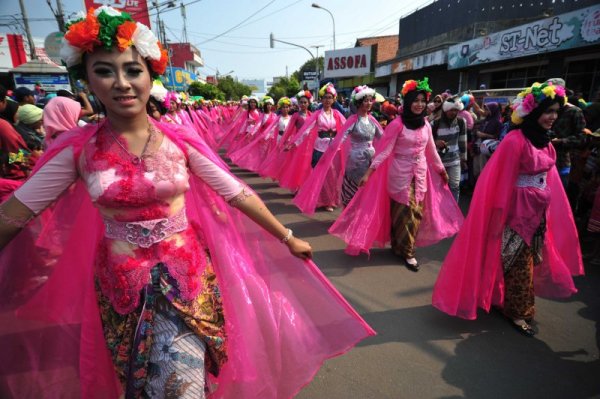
(526, 329)
(413, 267)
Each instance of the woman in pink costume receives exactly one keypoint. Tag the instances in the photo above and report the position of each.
(408, 190)
(243, 127)
(519, 239)
(276, 162)
(354, 158)
(174, 277)
(308, 146)
(253, 155)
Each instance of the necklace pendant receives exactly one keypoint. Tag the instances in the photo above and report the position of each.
(136, 160)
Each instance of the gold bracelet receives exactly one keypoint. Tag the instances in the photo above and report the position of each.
(288, 236)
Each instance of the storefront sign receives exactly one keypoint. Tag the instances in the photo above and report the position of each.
(12, 52)
(565, 31)
(309, 75)
(138, 9)
(354, 61)
(48, 81)
(439, 57)
(178, 79)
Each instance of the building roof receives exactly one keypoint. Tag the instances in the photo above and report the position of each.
(38, 66)
(387, 46)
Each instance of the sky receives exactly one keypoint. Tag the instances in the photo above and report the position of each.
(233, 35)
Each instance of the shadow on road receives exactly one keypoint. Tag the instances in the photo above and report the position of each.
(485, 365)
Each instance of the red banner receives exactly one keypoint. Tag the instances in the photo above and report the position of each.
(138, 9)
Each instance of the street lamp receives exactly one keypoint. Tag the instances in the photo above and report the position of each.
(315, 5)
(272, 41)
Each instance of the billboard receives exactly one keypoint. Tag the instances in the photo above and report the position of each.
(12, 51)
(354, 61)
(178, 79)
(137, 8)
(48, 81)
(570, 30)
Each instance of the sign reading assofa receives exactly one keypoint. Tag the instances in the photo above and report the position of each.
(570, 30)
(354, 61)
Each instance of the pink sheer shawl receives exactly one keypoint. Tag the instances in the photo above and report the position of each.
(307, 198)
(297, 168)
(253, 154)
(283, 317)
(366, 221)
(275, 161)
(471, 275)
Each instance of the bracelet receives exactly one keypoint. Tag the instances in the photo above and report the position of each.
(288, 236)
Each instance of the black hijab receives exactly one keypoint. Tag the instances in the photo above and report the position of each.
(536, 134)
(410, 119)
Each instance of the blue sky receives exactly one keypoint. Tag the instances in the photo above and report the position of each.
(245, 49)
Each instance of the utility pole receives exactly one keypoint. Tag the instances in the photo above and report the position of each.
(60, 16)
(27, 31)
(183, 15)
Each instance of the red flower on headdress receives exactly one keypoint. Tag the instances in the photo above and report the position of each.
(160, 66)
(84, 34)
(409, 85)
(125, 32)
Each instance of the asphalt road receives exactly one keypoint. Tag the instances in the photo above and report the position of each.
(420, 352)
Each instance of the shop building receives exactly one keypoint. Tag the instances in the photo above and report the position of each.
(355, 66)
(429, 39)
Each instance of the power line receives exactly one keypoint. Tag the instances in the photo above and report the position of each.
(236, 26)
(274, 12)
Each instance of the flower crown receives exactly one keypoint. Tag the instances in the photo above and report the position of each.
(418, 85)
(171, 96)
(329, 88)
(360, 92)
(304, 93)
(267, 100)
(530, 98)
(108, 28)
(158, 91)
(284, 101)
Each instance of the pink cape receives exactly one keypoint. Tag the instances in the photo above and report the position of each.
(283, 317)
(307, 199)
(297, 168)
(366, 221)
(237, 136)
(253, 154)
(276, 160)
(471, 275)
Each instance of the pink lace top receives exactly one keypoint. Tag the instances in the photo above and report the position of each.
(125, 192)
(410, 150)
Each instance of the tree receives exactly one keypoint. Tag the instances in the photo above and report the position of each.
(288, 87)
(308, 66)
(232, 89)
(208, 91)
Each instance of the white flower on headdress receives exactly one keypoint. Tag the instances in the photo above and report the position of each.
(361, 91)
(517, 107)
(109, 10)
(71, 55)
(78, 15)
(145, 42)
(158, 91)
